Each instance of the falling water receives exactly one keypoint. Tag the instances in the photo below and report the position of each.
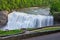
(18, 20)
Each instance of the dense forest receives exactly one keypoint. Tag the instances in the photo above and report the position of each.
(17, 4)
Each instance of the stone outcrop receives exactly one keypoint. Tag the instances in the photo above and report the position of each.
(3, 17)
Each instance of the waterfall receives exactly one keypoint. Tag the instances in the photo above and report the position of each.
(18, 20)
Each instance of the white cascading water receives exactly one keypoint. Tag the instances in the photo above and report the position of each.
(18, 20)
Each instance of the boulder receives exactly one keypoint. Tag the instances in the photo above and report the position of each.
(3, 17)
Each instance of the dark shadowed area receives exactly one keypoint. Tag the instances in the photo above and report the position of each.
(55, 36)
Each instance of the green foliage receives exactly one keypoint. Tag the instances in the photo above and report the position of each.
(17, 4)
(55, 6)
(47, 29)
(10, 32)
(55, 10)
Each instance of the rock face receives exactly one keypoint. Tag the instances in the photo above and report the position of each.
(3, 18)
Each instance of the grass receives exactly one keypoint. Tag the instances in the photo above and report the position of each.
(13, 32)
(10, 32)
(47, 29)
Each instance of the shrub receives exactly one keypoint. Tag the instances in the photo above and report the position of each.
(55, 6)
(55, 9)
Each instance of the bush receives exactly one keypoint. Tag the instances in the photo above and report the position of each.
(55, 9)
(55, 6)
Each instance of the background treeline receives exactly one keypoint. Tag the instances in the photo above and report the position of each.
(17, 4)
